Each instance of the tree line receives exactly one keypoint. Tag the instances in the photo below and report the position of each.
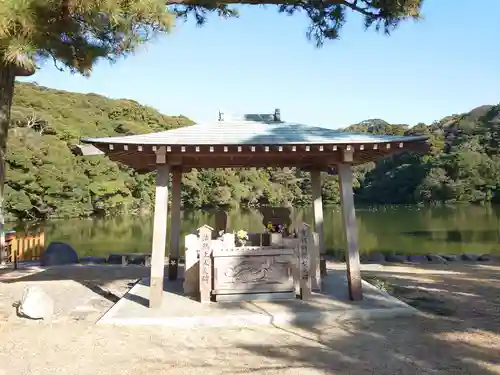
(46, 177)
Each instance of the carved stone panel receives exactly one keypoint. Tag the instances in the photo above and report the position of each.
(253, 274)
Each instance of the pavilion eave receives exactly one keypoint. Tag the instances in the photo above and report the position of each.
(322, 157)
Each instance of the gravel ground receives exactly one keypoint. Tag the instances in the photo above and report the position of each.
(458, 336)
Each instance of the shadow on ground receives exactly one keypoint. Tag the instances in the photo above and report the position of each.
(95, 278)
(457, 333)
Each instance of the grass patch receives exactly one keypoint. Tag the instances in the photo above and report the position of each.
(383, 285)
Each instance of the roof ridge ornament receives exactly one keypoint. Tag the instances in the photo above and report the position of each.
(277, 115)
(258, 117)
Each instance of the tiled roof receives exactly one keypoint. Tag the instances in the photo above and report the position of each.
(88, 150)
(253, 130)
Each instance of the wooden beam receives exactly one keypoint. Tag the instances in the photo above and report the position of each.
(260, 160)
(175, 223)
(161, 155)
(159, 236)
(318, 219)
(351, 233)
(348, 154)
(241, 156)
(265, 151)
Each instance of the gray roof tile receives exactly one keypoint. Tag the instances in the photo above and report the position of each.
(261, 131)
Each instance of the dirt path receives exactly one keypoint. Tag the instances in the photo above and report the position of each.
(462, 336)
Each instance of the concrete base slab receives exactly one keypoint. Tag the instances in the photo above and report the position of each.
(255, 297)
(178, 311)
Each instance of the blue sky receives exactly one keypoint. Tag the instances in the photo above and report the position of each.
(447, 63)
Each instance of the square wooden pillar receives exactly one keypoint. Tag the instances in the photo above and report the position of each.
(318, 218)
(351, 233)
(159, 232)
(175, 223)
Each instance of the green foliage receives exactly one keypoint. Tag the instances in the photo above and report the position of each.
(46, 178)
(327, 17)
(381, 284)
(76, 32)
(464, 165)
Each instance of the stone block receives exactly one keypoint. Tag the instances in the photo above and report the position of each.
(435, 258)
(484, 258)
(57, 254)
(114, 259)
(418, 258)
(469, 257)
(395, 258)
(36, 304)
(372, 258)
(92, 260)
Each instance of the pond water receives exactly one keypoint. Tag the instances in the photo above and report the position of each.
(398, 229)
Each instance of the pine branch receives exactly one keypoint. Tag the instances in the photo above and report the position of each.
(353, 5)
(327, 16)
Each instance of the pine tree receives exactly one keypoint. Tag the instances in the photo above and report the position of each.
(74, 34)
(77, 33)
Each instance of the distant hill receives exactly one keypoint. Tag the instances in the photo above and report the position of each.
(464, 165)
(45, 178)
(377, 126)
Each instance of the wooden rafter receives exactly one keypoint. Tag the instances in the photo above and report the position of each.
(323, 157)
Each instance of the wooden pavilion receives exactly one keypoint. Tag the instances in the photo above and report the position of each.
(253, 140)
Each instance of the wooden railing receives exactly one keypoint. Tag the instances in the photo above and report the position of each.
(24, 246)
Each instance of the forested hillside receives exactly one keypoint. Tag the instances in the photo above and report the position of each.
(47, 179)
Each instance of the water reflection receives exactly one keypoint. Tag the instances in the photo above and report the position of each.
(410, 230)
(454, 235)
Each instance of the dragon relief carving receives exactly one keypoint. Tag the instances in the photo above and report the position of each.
(249, 272)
